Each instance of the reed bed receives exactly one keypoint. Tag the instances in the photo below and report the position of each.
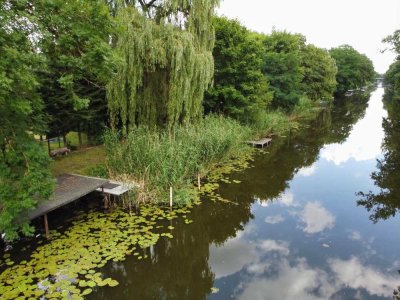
(160, 159)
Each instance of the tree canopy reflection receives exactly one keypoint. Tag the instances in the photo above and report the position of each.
(386, 202)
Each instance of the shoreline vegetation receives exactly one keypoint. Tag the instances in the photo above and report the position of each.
(159, 159)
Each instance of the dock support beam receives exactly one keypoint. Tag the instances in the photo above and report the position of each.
(46, 226)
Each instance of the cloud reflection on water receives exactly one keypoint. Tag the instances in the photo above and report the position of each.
(364, 142)
(316, 218)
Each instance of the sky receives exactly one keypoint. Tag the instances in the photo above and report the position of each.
(325, 23)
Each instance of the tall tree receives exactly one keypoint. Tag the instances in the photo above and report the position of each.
(240, 88)
(74, 37)
(355, 70)
(166, 63)
(283, 67)
(319, 81)
(25, 178)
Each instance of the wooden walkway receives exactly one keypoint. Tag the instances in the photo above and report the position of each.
(262, 142)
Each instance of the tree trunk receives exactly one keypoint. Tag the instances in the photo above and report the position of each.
(48, 144)
(80, 139)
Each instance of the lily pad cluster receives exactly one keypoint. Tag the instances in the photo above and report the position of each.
(221, 175)
(66, 267)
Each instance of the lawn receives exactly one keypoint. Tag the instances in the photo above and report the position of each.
(80, 162)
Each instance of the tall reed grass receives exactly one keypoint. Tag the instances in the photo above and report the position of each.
(158, 159)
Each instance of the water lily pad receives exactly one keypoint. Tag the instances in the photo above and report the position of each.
(87, 291)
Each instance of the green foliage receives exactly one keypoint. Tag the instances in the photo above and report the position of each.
(240, 88)
(319, 81)
(166, 63)
(160, 160)
(392, 76)
(394, 41)
(392, 80)
(355, 70)
(25, 180)
(283, 67)
(24, 166)
(74, 38)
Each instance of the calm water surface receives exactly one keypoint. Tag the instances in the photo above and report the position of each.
(296, 231)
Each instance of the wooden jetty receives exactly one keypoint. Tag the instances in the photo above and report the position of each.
(261, 143)
(70, 187)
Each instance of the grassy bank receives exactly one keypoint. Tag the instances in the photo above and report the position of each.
(87, 161)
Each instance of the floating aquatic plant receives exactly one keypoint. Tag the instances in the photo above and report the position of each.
(56, 271)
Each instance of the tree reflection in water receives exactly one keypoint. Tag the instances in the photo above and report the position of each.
(386, 203)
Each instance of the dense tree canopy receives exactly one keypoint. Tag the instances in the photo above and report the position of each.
(240, 88)
(355, 70)
(283, 67)
(24, 165)
(319, 73)
(75, 41)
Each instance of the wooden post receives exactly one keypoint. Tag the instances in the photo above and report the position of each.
(48, 145)
(80, 137)
(198, 181)
(46, 226)
(170, 196)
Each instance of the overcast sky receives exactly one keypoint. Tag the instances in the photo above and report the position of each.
(325, 23)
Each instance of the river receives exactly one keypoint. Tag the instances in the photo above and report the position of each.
(294, 229)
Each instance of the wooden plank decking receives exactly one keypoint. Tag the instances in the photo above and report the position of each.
(262, 142)
(69, 188)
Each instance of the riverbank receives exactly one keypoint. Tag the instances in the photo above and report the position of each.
(161, 160)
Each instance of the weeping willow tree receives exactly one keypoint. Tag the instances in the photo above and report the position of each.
(165, 48)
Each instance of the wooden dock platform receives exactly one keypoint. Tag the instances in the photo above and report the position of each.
(261, 143)
(69, 188)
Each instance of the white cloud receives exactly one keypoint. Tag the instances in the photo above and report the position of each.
(237, 254)
(316, 218)
(273, 245)
(286, 198)
(292, 282)
(298, 280)
(307, 171)
(232, 257)
(274, 219)
(234, 254)
(364, 142)
(355, 236)
(352, 273)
